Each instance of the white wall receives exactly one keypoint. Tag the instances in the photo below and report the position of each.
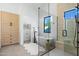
(52, 8)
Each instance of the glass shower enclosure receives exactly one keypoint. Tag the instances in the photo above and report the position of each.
(71, 34)
(46, 39)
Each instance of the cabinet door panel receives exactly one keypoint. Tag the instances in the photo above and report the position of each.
(5, 29)
(15, 28)
(10, 29)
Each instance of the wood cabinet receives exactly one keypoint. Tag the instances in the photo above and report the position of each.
(9, 28)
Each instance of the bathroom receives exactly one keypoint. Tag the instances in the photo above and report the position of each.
(34, 40)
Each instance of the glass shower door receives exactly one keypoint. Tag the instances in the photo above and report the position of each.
(70, 39)
(46, 28)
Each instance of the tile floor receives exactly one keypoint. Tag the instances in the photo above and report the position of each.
(13, 50)
(57, 52)
(16, 50)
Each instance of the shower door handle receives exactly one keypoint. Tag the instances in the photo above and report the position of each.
(64, 33)
(75, 42)
(75, 39)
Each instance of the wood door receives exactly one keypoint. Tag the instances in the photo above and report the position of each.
(10, 29)
(5, 35)
(14, 20)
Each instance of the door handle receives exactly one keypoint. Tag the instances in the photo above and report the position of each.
(75, 45)
(10, 23)
(75, 39)
(75, 42)
(64, 33)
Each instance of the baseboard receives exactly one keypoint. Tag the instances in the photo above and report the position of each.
(11, 44)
